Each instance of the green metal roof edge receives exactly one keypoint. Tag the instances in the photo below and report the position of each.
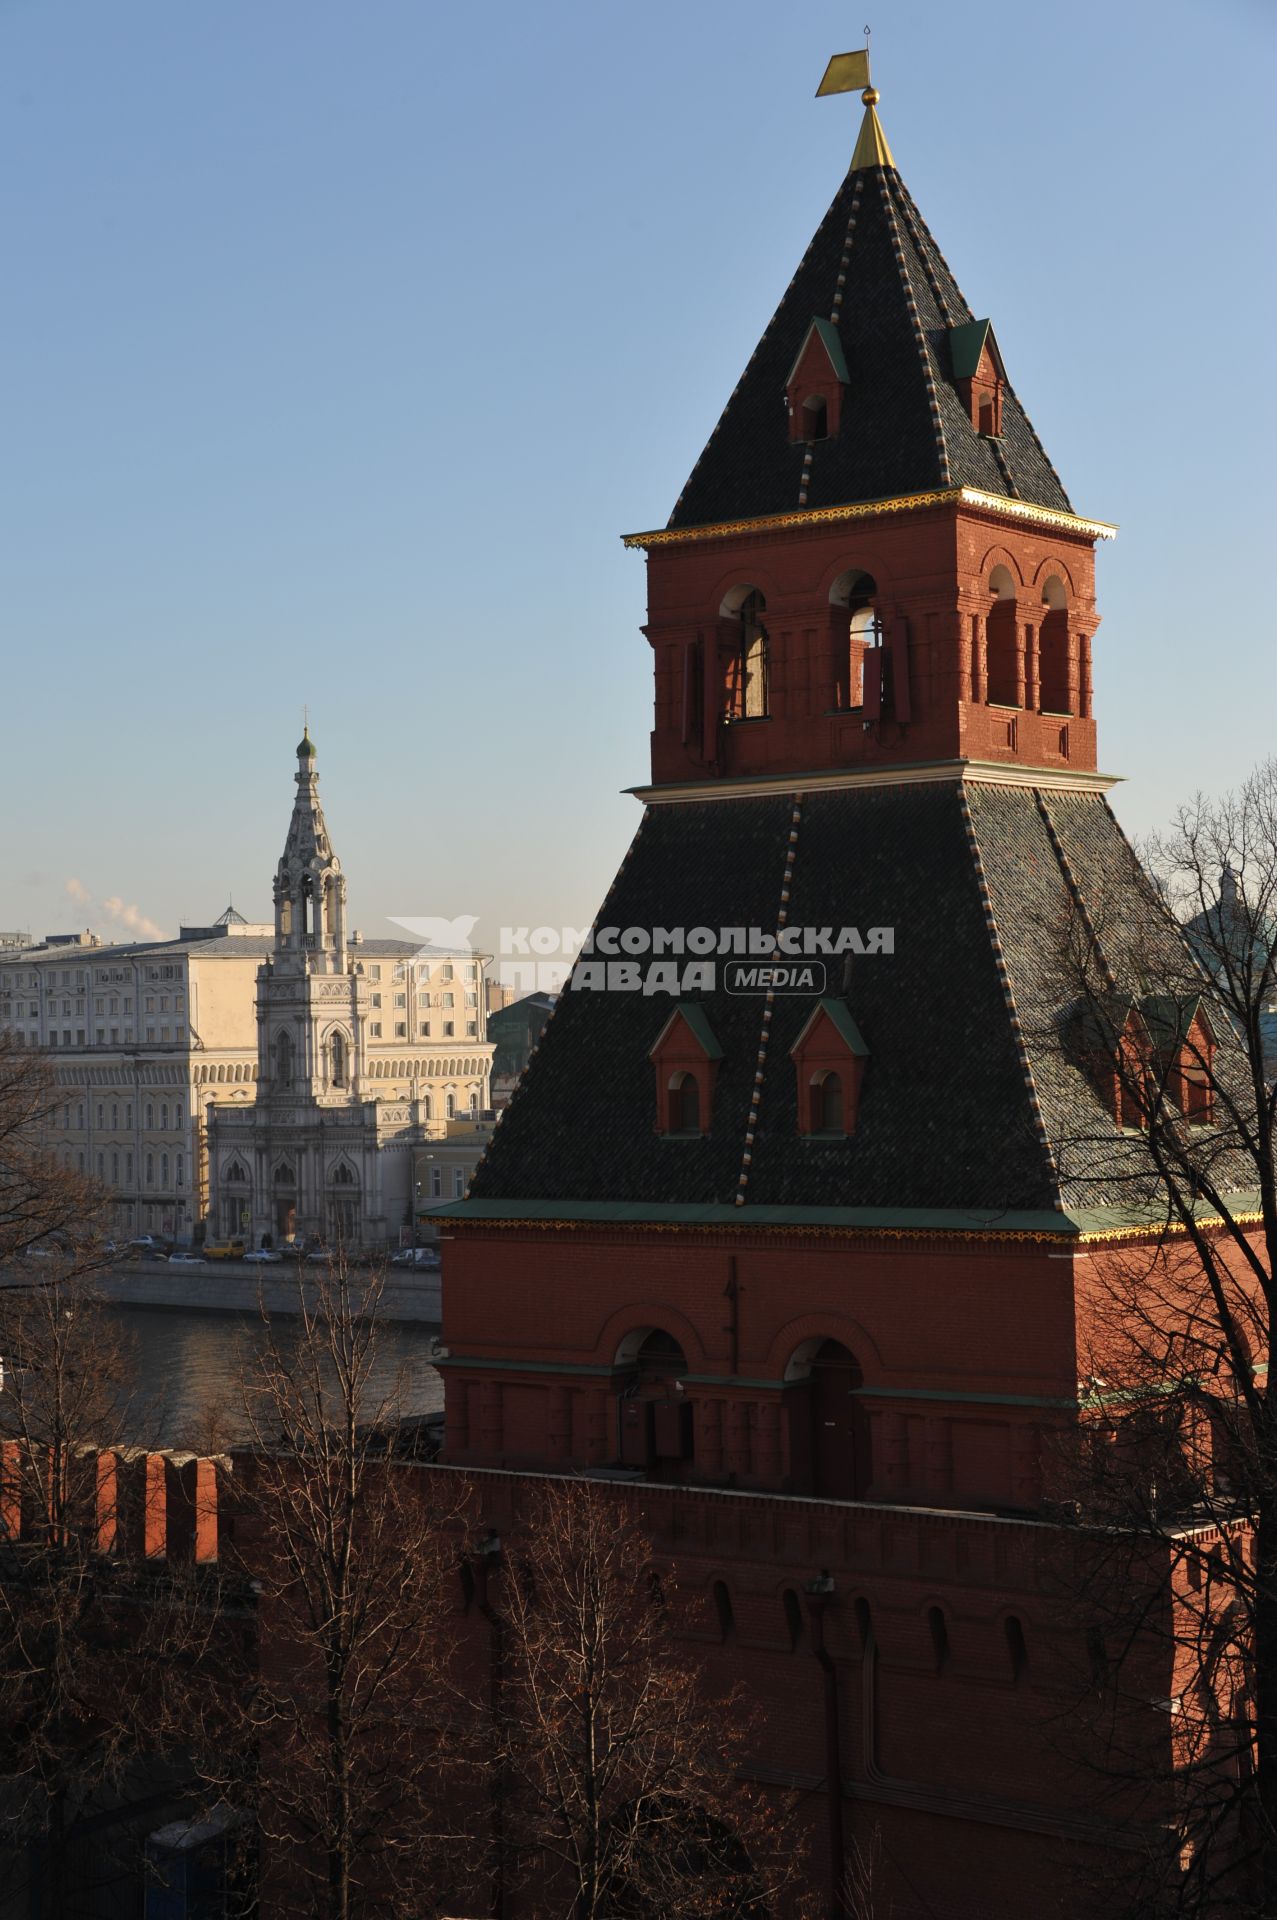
(966, 343)
(712, 1213)
(830, 341)
(1083, 1222)
(840, 1013)
(1242, 1205)
(698, 1020)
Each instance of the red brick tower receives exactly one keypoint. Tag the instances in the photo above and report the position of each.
(809, 1265)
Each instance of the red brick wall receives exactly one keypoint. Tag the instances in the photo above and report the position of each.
(931, 568)
(979, 1805)
(968, 1353)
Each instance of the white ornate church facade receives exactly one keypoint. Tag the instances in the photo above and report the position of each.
(365, 1050)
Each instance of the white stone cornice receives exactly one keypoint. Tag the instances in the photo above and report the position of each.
(835, 779)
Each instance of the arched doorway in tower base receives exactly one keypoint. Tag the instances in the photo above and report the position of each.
(654, 1420)
(829, 1446)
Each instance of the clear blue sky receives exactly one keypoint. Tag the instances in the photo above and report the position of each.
(343, 338)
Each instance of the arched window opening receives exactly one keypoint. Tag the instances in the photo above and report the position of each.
(864, 635)
(723, 1612)
(749, 693)
(864, 1623)
(685, 1103)
(284, 1060)
(659, 1358)
(284, 1175)
(795, 1623)
(939, 1637)
(1016, 1650)
(853, 597)
(815, 418)
(1005, 669)
(451, 1106)
(827, 1103)
(755, 671)
(340, 1068)
(1097, 1658)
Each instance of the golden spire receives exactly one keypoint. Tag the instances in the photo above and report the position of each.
(846, 72)
(871, 148)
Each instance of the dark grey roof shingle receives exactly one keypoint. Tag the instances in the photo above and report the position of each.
(888, 443)
(947, 1117)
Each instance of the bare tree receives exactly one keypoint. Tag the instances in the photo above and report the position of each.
(1169, 978)
(349, 1720)
(105, 1649)
(621, 1779)
(41, 1198)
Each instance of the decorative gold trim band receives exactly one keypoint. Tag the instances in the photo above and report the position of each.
(454, 1226)
(1174, 1229)
(871, 509)
(1071, 1242)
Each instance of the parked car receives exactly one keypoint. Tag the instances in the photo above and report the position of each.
(415, 1257)
(187, 1260)
(320, 1254)
(261, 1255)
(232, 1249)
(292, 1250)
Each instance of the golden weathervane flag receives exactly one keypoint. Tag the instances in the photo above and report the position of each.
(845, 73)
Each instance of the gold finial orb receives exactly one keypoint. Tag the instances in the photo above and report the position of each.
(871, 96)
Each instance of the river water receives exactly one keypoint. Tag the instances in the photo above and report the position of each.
(185, 1367)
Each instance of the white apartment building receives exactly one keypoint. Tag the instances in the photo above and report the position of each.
(141, 1039)
(147, 1041)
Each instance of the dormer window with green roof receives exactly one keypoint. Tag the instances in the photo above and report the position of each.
(977, 375)
(829, 1058)
(686, 1057)
(817, 383)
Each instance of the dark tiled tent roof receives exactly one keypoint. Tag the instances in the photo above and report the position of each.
(956, 1100)
(893, 314)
